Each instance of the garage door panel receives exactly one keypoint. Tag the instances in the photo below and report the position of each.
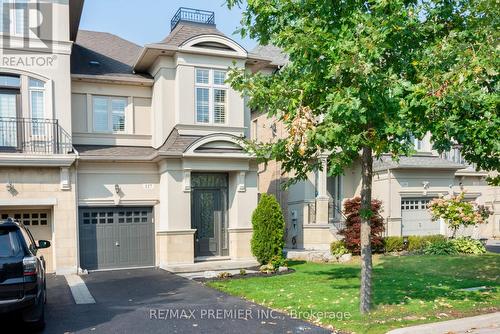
(416, 219)
(38, 221)
(124, 237)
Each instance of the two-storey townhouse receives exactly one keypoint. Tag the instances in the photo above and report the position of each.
(313, 208)
(154, 173)
(37, 160)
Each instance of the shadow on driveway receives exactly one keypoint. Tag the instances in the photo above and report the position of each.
(155, 301)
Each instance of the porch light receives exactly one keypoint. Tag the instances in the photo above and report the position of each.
(117, 188)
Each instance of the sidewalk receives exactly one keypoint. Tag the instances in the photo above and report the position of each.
(482, 324)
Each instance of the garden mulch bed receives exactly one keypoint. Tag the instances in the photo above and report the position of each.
(248, 275)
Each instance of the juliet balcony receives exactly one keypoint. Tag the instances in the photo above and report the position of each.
(32, 136)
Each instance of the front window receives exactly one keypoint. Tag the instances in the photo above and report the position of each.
(211, 96)
(109, 114)
(36, 93)
(334, 189)
(14, 16)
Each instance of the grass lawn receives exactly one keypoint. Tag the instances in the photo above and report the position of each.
(408, 290)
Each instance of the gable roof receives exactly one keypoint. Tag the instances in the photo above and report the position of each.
(104, 54)
(271, 52)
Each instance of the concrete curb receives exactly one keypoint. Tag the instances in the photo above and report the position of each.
(485, 321)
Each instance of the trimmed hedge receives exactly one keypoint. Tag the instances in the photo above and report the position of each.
(393, 244)
(416, 243)
(268, 230)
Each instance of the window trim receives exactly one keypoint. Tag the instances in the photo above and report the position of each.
(109, 100)
(12, 4)
(211, 86)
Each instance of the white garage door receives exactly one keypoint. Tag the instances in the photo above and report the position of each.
(39, 224)
(416, 219)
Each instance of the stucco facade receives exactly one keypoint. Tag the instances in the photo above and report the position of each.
(152, 171)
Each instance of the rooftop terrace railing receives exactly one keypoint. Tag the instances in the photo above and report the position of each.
(192, 15)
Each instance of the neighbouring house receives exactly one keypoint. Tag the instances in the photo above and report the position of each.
(121, 155)
(313, 208)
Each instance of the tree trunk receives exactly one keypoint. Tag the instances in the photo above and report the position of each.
(366, 248)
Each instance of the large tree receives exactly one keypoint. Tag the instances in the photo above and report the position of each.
(366, 77)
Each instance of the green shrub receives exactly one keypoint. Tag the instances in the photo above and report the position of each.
(465, 245)
(268, 230)
(278, 261)
(393, 244)
(435, 238)
(440, 248)
(419, 242)
(338, 248)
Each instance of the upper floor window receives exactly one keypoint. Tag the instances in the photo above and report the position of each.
(109, 113)
(211, 96)
(14, 16)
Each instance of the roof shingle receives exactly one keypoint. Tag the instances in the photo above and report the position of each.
(100, 53)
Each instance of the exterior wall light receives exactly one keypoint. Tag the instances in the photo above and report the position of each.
(117, 188)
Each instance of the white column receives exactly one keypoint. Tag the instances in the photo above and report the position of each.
(322, 198)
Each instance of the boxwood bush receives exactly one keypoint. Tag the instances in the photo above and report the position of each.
(268, 230)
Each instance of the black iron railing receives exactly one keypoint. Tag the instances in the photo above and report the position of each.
(192, 15)
(34, 136)
(336, 216)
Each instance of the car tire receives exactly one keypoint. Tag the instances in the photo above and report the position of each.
(39, 324)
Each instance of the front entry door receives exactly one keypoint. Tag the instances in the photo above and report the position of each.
(209, 216)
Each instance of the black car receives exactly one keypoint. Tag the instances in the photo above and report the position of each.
(22, 274)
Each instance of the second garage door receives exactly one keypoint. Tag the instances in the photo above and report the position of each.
(416, 219)
(116, 237)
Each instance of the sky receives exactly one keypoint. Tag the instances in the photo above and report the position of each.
(148, 21)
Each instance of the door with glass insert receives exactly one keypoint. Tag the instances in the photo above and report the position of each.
(209, 214)
(8, 120)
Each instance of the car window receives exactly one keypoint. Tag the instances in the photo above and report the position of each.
(29, 240)
(9, 244)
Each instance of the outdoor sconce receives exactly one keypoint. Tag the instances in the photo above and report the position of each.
(9, 186)
(117, 188)
(405, 243)
(426, 185)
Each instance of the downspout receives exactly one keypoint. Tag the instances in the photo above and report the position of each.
(389, 205)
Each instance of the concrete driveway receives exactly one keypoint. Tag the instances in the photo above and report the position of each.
(155, 301)
(493, 246)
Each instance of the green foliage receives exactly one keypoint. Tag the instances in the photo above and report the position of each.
(375, 74)
(464, 245)
(268, 230)
(338, 248)
(440, 248)
(393, 244)
(419, 242)
(457, 212)
(278, 261)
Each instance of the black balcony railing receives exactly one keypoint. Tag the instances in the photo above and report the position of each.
(34, 136)
(192, 15)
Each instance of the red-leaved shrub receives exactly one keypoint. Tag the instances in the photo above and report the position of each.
(352, 229)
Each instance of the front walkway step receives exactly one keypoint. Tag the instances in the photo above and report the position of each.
(213, 273)
(210, 265)
(484, 324)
